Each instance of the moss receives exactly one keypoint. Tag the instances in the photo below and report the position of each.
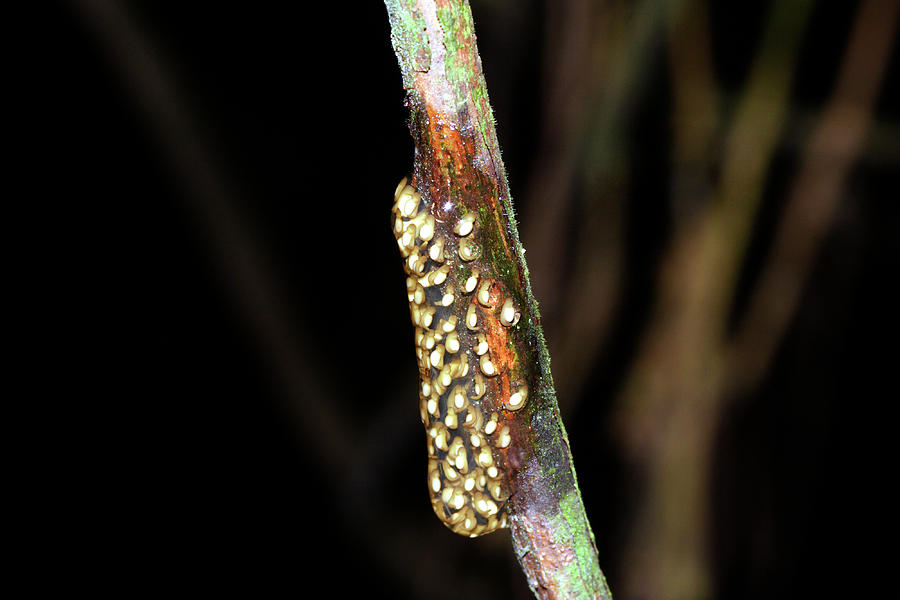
(457, 24)
(585, 567)
(464, 271)
(409, 39)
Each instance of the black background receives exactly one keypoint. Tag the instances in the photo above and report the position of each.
(243, 343)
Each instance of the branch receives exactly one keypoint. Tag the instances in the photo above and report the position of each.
(815, 195)
(498, 452)
(671, 405)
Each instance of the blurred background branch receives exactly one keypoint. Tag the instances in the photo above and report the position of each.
(671, 404)
(814, 196)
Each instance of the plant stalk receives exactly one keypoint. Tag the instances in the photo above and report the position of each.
(457, 160)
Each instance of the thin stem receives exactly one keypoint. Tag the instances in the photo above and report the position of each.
(815, 196)
(672, 404)
(458, 169)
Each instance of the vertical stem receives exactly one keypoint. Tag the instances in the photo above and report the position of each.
(458, 166)
(672, 402)
(815, 195)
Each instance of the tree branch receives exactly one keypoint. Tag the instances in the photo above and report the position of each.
(815, 195)
(458, 196)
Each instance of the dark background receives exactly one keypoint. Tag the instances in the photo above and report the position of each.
(224, 173)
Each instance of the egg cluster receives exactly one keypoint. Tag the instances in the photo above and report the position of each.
(466, 395)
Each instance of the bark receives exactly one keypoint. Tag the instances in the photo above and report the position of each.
(457, 164)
